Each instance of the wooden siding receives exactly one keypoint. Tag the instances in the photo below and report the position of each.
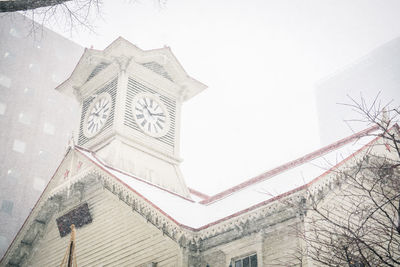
(116, 237)
(282, 246)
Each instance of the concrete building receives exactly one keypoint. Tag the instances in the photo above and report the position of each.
(121, 186)
(376, 73)
(35, 120)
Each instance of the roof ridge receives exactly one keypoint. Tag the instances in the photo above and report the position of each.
(289, 165)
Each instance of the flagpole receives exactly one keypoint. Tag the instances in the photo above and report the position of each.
(70, 253)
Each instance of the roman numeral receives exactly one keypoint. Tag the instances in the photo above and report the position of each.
(143, 123)
(159, 125)
(139, 116)
(90, 126)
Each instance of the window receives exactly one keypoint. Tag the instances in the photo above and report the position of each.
(19, 146)
(48, 128)
(248, 261)
(5, 81)
(7, 206)
(11, 179)
(39, 184)
(24, 118)
(44, 154)
(14, 33)
(56, 78)
(8, 56)
(29, 91)
(3, 242)
(35, 68)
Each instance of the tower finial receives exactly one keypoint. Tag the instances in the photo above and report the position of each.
(71, 141)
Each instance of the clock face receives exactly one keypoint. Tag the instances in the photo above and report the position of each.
(97, 115)
(150, 115)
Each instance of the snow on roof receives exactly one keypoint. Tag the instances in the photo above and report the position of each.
(248, 195)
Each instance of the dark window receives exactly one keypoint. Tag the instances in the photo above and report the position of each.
(248, 261)
(79, 217)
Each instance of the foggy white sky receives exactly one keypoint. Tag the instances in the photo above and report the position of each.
(260, 60)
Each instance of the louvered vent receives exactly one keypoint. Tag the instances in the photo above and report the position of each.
(97, 69)
(133, 89)
(157, 68)
(110, 88)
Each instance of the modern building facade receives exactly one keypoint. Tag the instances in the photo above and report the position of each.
(35, 120)
(375, 75)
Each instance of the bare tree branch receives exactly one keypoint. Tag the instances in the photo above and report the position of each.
(356, 222)
(23, 5)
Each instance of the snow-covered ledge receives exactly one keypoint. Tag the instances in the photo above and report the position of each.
(71, 181)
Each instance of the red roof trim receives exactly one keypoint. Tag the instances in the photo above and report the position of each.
(351, 156)
(288, 165)
(198, 193)
(252, 207)
(298, 188)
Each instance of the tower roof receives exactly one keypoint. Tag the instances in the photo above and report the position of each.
(122, 53)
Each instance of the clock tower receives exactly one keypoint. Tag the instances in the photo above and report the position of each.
(130, 110)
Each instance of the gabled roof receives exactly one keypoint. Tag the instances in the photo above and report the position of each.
(207, 211)
(258, 191)
(161, 61)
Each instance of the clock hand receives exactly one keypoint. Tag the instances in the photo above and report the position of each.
(146, 110)
(158, 114)
(145, 107)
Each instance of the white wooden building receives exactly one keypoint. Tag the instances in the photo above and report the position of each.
(122, 187)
